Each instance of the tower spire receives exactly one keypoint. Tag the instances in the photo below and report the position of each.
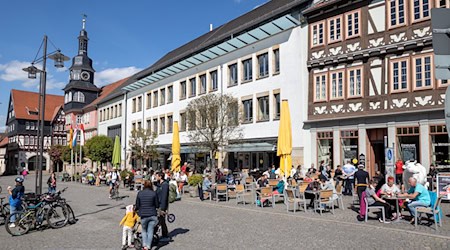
(84, 21)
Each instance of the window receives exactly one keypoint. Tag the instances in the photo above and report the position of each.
(320, 87)
(317, 34)
(247, 70)
(353, 23)
(334, 29)
(422, 72)
(336, 84)
(139, 103)
(26, 140)
(155, 98)
(149, 100)
(149, 124)
(27, 125)
(155, 125)
(263, 63)
(169, 123)
(213, 78)
(79, 119)
(31, 140)
(248, 110)
(263, 108)
(193, 87)
(163, 97)
(114, 108)
(396, 13)
(442, 3)
(120, 110)
(420, 9)
(183, 90)
(192, 116)
(170, 94)
(232, 75)
(277, 103)
(399, 75)
(162, 127)
(183, 122)
(133, 126)
(203, 84)
(101, 115)
(78, 97)
(139, 125)
(133, 106)
(354, 82)
(276, 58)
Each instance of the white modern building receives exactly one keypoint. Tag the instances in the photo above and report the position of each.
(260, 58)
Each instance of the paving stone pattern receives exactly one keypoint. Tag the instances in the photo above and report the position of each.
(223, 225)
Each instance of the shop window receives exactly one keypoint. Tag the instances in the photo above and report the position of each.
(349, 145)
(440, 146)
(325, 146)
(408, 143)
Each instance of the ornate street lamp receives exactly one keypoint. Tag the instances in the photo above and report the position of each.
(59, 59)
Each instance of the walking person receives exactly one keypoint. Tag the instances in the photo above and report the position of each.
(15, 199)
(362, 179)
(162, 189)
(349, 171)
(147, 204)
(128, 222)
(51, 182)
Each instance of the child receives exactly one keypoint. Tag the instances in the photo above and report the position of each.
(128, 222)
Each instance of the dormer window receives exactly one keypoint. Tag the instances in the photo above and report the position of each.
(78, 97)
(32, 112)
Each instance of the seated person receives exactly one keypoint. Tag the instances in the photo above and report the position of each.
(262, 181)
(182, 180)
(77, 176)
(374, 200)
(419, 195)
(230, 179)
(313, 185)
(90, 178)
(279, 188)
(326, 184)
(390, 189)
(207, 186)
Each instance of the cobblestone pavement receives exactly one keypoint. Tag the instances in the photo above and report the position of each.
(224, 225)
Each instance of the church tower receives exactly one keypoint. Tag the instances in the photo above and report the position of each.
(80, 91)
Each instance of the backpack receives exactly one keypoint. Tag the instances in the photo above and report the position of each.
(172, 193)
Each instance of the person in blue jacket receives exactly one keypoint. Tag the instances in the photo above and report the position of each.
(15, 201)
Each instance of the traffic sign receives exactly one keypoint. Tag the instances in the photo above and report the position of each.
(389, 156)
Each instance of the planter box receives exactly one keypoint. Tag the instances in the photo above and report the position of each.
(193, 191)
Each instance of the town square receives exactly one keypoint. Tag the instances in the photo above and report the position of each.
(232, 124)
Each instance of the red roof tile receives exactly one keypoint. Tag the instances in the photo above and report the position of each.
(25, 101)
(4, 142)
(106, 90)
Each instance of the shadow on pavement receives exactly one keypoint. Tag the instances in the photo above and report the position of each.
(172, 235)
(98, 211)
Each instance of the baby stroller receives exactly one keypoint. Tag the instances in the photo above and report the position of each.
(137, 232)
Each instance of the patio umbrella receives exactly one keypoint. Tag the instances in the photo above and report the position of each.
(116, 156)
(176, 158)
(284, 146)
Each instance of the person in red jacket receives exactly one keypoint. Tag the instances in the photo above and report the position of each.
(399, 172)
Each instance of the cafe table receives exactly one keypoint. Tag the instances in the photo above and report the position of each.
(396, 198)
(316, 194)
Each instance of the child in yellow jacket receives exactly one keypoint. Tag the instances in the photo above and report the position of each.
(128, 222)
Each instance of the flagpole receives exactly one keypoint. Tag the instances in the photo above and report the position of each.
(71, 162)
(81, 157)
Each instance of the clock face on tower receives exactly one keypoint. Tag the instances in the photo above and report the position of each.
(85, 76)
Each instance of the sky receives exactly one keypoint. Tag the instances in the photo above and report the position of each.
(124, 36)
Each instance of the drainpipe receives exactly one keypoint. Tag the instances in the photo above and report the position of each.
(125, 113)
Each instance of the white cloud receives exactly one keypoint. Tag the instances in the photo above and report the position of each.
(108, 76)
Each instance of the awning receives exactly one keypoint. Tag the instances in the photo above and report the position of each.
(269, 29)
(251, 147)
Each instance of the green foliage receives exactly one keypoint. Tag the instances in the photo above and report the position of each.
(143, 145)
(66, 153)
(56, 153)
(195, 179)
(124, 173)
(99, 148)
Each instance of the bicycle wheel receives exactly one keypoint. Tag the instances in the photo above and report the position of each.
(21, 225)
(4, 212)
(137, 243)
(57, 216)
(71, 214)
(170, 218)
(0, 189)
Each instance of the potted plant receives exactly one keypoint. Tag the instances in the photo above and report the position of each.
(194, 181)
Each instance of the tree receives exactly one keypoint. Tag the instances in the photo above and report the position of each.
(143, 145)
(66, 154)
(213, 121)
(56, 153)
(99, 149)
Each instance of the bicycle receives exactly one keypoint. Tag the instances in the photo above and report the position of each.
(62, 201)
(115, 191)
(4, 209)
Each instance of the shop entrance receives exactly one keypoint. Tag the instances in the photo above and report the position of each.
(375, 152)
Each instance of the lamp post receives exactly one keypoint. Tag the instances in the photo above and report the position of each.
(59, 59)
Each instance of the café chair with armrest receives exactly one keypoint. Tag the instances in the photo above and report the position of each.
(290, 198)
(264, 194)
(432, 211)
(221, 190)
(374, 207)
(340, 199)
(325, 198)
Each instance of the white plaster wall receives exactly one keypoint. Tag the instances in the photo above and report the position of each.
(292, 83)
